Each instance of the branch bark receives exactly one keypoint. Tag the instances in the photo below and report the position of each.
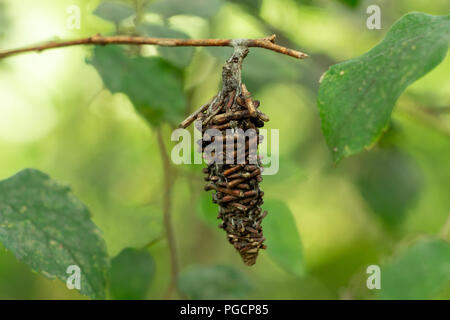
(266, 43)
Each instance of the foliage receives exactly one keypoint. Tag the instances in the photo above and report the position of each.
(114, 11)
(404, 278)
(356, 97)
(321, 228)
(283, 240)
(153, 85)
(132, 271)
(49, 229)
(179, 57)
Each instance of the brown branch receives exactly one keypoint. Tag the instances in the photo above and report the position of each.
(248, 101)
(167, 211)
(187, 122)
(266, 43)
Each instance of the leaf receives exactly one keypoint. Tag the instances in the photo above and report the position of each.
(421, 272)
(201, 8)
(390, 181)
(114, 11)
(213, 282)
(153, 85)
(179, 57)
(283, 241)
(46, 227)
(131, 274)
(356, 97)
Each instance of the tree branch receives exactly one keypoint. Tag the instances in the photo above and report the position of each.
(266, 43)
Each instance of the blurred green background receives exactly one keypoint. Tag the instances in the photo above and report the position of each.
(55, 115)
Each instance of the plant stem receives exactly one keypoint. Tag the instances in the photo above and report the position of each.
(169, 180)
(266, 43)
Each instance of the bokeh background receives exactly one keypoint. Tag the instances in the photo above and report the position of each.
(56, 115)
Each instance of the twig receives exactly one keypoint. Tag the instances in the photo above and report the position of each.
(248, 101)
(187, 122)
(266, 43)
(167, 210)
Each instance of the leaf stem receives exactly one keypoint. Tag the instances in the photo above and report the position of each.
(266, 43)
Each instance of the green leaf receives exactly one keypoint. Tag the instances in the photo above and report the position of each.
(179, 57)
(153, 85)
(131, 274)
(46, 227)
(114, 11)
(356, 97)
(420, 272)
(213, 282)
(283, 241)
(201, 8)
